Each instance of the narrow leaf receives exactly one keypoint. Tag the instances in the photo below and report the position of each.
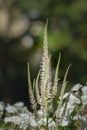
(62, 92)
(37, 89)
(31, 94)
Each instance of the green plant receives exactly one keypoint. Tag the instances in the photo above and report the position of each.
(43, 94)
(71, 110)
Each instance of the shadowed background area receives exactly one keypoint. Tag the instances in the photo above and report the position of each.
(21, 38)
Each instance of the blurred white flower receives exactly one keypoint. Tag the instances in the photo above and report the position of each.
(32, 121)
(73, 100)
(40, 114)
(65, 122)
(79, 117)
(76, 117)
(21, 108)
(76, 87)
(42, 121)
(52, 125)
(84, 90)
(13, 119)
(10, 109)
(69, 109)
(84, 99)
(19, 104)
(22, 120)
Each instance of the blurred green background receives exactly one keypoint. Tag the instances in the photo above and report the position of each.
(21, 40)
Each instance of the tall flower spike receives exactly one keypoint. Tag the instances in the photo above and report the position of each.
(45, 75)
(56, 77)
(45, 42)
(45, 48)
(44, 87)
(44, 58)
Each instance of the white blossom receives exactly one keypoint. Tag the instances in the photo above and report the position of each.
(32, 121)
(22, 120)
(84, 90)
(77, 117)
(13, 119)
(69, 109)
(84, 99)
(40, 114)
(21, 108)
(19, 104)
(76, 87)
(73, 100)
(65, 122)
(11, 109)
(52, 124)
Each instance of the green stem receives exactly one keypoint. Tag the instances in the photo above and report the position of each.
(47, 121)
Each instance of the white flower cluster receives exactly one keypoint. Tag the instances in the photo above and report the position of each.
(16, 108)
(19, 115)
(40, 120)
(22, 120)
(77, 100)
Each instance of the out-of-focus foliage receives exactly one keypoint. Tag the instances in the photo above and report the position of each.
(67, 23)
(21, 30)
(67, 29)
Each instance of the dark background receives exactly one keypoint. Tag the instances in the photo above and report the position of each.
(21, 40)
